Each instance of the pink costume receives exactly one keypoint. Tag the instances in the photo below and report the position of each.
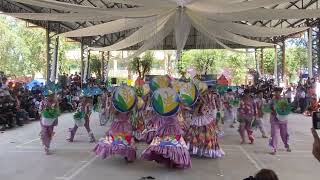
(245, 118)
(47, 130)
(118, 140)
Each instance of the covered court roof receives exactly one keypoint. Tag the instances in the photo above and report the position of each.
(10, 6)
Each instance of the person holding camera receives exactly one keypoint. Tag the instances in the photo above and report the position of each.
(316, 144)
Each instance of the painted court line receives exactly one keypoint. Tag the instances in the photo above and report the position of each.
(251, 159)
(79, 170)
(69, 172)
(28, 142)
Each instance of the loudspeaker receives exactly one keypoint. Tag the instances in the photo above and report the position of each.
(113, 80)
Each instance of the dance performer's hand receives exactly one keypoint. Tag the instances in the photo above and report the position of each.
(316, 144)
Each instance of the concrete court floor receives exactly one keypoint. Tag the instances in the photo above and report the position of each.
(21, 157)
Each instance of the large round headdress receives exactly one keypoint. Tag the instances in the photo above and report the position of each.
(124, 98)
(201, 86)
(176, 85)
(158, 82)
(165, 101)
(140, 103)
(188, 93)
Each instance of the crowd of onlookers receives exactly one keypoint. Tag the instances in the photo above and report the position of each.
(19, 103)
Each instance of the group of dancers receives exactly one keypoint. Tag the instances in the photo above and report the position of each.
(176, 123)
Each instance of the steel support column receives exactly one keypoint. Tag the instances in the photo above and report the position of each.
(283, 63)
(102, 79)
(316, 49)
(84, 62)
(105, 66)
(275, 71)
(309, 56)
(280, 53)
(52, 43)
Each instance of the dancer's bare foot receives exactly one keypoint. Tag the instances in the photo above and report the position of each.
(242, 141)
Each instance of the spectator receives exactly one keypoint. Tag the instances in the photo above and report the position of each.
(264, 174)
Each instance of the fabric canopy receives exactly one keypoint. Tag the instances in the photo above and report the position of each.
(140, 35)
(182, 29)
(214, 30)
(257, 31)
(263, 14)
(156, 39)
(150, 21)
(208, 6)
(71, 17)
(123, 12)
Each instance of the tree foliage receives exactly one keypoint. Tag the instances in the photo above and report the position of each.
(142, 66)
(23, 50)
(95, 65)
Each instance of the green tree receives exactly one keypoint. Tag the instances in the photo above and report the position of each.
(268, 61)
(95, 65)
(142, 66)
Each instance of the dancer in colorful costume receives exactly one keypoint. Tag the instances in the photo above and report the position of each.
(82, 117)
(154, 121)
(119, 139)
(137, 120)
(168, 146)
(50, 112)
(279, 121)
(230, 111)
(259, 103)
(139, 112)
(202, 136)
(246, 113)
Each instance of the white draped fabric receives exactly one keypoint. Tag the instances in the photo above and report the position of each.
(181, 29)
(257, 31)
(71, 17)
(123, 12)
(145, 3)
(224, 7)
(263, 14)
(214, 30)
(156, 39)
(155, 19)
(140, 35)
(109, 27)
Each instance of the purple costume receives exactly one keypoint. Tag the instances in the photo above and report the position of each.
(276, 126)
(86, 108)
(168, 146)
(119, 140)
(47, 133)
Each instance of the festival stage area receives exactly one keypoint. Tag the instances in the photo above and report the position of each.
(21, 157)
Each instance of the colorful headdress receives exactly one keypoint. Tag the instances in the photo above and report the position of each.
(140, 103)
(176, 85)
(188, 94)
(165, 101)
(124, 98)
(158, 82)
(47, 92)
(86, 92)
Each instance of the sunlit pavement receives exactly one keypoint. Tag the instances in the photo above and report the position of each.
(21, 157)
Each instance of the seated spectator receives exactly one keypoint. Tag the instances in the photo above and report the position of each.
(264, 174)
(313, 107)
